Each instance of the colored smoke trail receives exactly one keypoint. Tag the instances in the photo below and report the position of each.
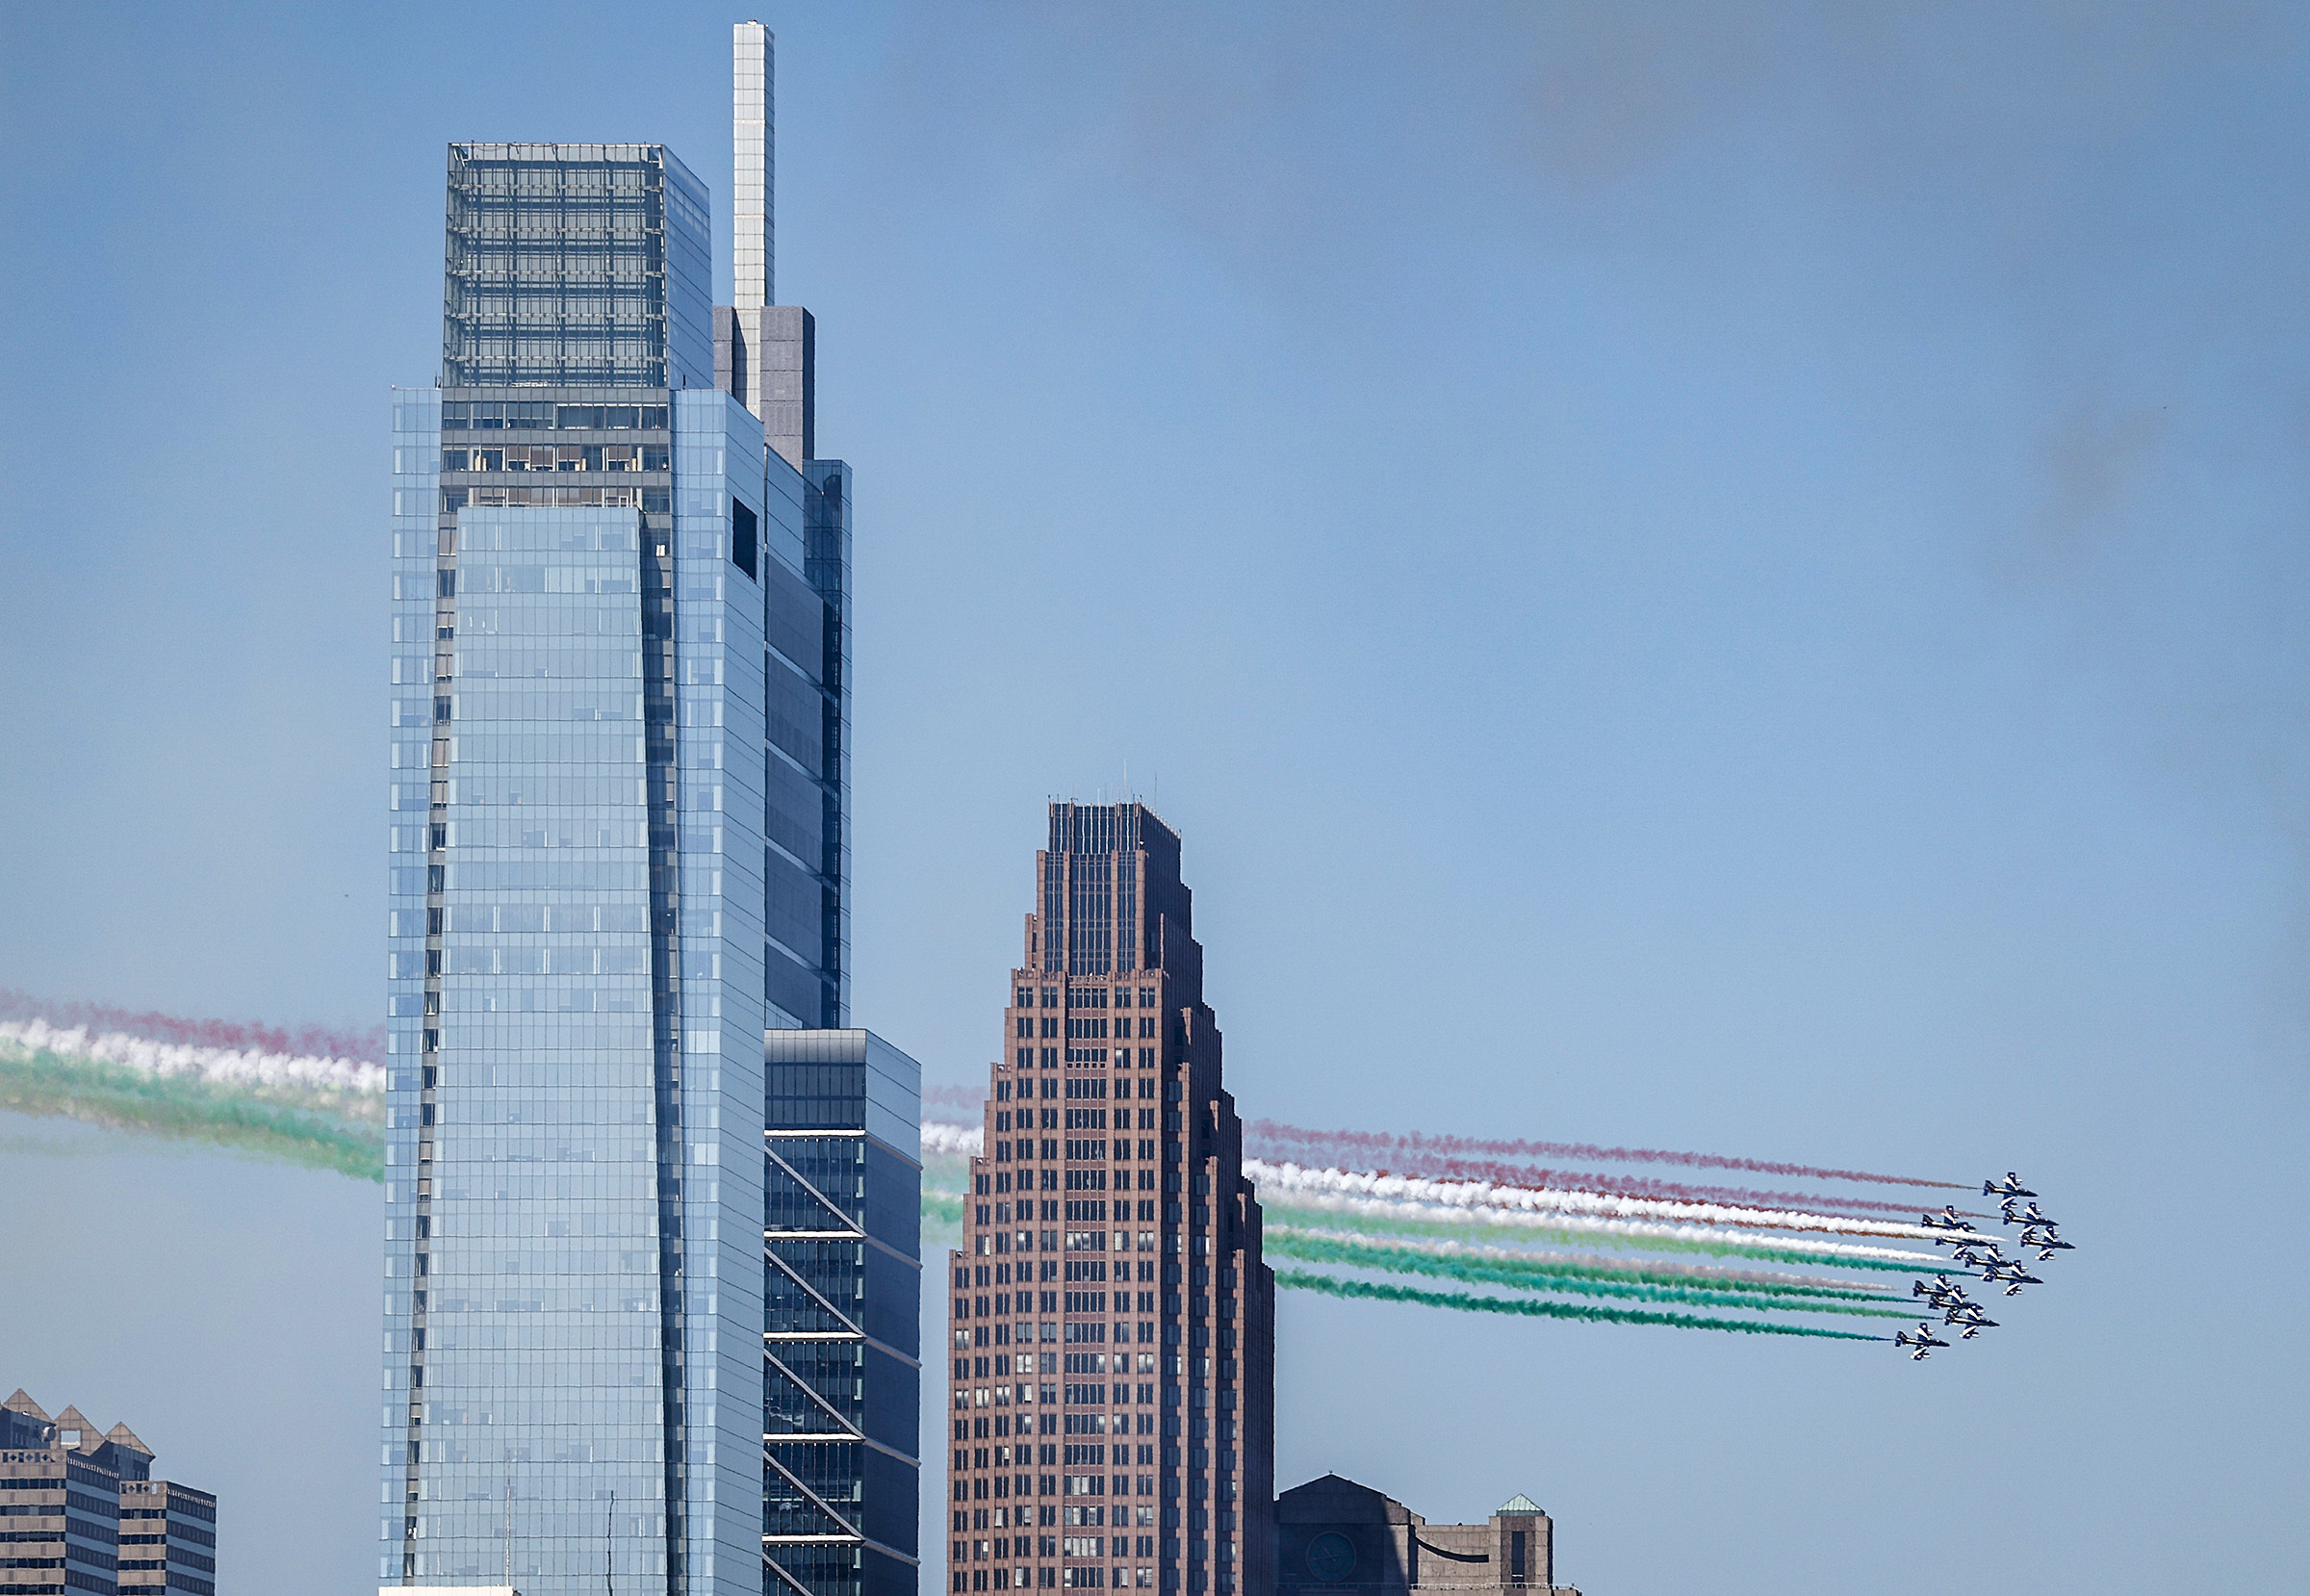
(1440, 1168)
(1294, 1279)
(1342, 1146)
(940, 1137)
(184, 1108)
(1404, 1261)
(946, 1137)
(1601, 1267)
(1680, 1238)
(1298, 1179)
(352, 1089)
(178, 1030)
(1414, 1218)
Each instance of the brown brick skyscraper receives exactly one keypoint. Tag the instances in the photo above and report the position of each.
(1112, 1335)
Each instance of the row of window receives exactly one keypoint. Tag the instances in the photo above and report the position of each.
(1076, 1546)
(657, 500)
(1000, 1306)
(1081, 1150)
(1079, 1211)
(1078, 1270)
(1094, 1028)
(1077, 1394)
(560, 457)
(1074, 1484)
(1078, 1118)
(1079, 1516)
(1088, 1363)
(1092, 1211)
(1003, 1486)
(1077, 1363)
(1083, 1055)
(529, 414)
(1079, 1088)
(1079, 1577)
(1085, 998)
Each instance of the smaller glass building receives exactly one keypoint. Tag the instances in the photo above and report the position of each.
(842, 1285)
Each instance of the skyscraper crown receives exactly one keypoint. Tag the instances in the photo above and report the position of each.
(575, 264)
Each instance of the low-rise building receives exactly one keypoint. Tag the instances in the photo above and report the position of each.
(1335, 1537)
(85, 1515)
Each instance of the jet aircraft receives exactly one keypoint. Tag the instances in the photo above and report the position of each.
(2028, 1218)
(2009, 1186)
(1924, 1341)
(1972, 1320)
(1939, 1292)
(2013, 1277)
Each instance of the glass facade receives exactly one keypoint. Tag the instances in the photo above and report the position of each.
(843, 1288)
(573, 1197)
(578, 999)
(576, 264)
(619, 856)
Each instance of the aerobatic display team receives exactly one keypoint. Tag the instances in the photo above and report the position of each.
(1439, 1222)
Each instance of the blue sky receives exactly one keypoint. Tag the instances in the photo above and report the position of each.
(1725, 576)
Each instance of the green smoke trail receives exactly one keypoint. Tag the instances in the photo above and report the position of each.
(1682, 1278)
(1370, 1224)
(1297, 1281)
(51, 1085)
(1565, 1281)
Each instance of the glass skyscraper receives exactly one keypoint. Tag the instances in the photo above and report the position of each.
(619, 863)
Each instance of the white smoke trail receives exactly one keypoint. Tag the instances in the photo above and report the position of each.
(943, 1136)
(227, 1066)
(1582, 1224)
(1445, 1248)
(940, 1136)
(1299, 1180)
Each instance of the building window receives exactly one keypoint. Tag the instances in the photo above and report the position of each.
(742, 529)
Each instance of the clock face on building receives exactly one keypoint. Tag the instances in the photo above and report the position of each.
(1330, 1559)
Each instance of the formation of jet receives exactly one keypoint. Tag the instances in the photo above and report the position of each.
(1957, 1308)
(1924, 1341)
(1980, 1254)
(1975, 1251)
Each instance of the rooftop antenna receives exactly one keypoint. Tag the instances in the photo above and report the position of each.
(609, 1529)
(509, 1534)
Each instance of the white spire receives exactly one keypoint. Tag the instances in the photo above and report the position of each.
(754, 186)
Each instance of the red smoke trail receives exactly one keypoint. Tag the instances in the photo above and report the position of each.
(368, 1046)
(1370, 1149)
(1638, 1186)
